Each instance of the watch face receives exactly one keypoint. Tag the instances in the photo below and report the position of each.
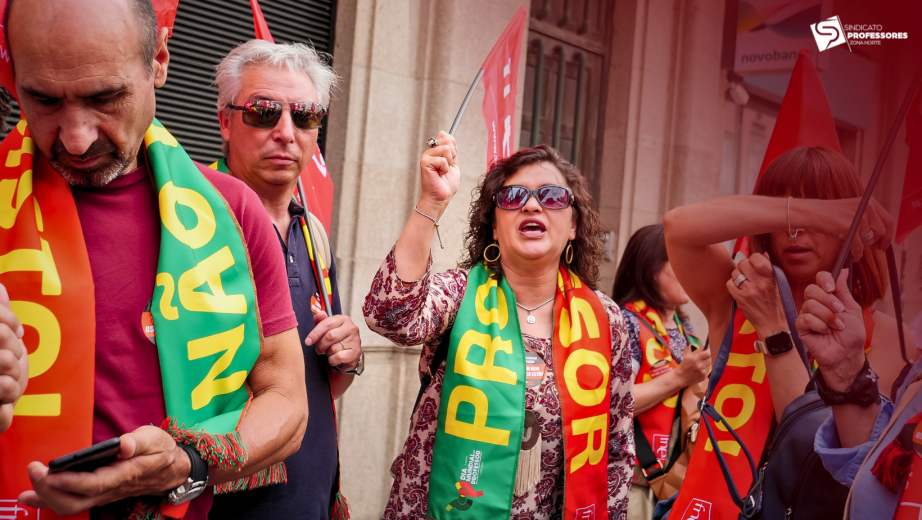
(778, 343)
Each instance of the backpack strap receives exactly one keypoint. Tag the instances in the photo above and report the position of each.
(441, 354)
(643, 323)
(894, 276)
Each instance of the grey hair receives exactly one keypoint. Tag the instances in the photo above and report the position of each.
(147, 19)
(294, 56)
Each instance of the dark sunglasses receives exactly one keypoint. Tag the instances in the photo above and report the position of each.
(551, 197)
(264, 113)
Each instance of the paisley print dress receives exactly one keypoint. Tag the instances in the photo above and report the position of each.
(420, 312)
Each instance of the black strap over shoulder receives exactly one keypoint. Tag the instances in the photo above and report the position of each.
(748, 503)
(441, 354)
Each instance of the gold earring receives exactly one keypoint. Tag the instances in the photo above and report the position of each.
(498, 253)
(569, 253)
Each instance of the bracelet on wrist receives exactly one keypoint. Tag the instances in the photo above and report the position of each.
(863, 391)
(434, 221)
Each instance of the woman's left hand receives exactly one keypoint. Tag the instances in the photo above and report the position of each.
(337, 338)
(758, 295)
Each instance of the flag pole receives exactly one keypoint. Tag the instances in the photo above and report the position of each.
(843, 253)
(467, 99)
(315, 251)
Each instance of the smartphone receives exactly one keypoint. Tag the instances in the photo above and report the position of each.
(87, 459)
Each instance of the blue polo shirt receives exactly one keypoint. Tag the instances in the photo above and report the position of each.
(312, 470)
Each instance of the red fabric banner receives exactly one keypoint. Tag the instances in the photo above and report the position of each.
(259, 23)
(6, 66)
(166, 13)
(500, 83)
(911, 203)
(804, 119)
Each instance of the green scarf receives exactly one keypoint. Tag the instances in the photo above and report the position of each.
(474, 463)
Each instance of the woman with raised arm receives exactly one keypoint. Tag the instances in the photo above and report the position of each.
(528, 411)
(664, 362)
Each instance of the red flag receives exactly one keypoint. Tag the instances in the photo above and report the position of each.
(911, 204)
(318, 187)
(500, 83)
(166, 13)
(805, 119)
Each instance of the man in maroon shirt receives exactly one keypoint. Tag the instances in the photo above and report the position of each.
(85, 73)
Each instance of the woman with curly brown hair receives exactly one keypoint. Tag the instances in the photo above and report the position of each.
(528, 411)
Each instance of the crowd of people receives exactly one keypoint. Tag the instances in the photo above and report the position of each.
(542, 396)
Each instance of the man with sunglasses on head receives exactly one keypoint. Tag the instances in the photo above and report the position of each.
(271, 101)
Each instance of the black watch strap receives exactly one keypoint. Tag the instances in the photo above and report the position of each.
(199, 471)
(863, 391)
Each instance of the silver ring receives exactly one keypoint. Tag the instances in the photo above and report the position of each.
(739, 280)
(868, 237)
(343, 345)
(432, 142)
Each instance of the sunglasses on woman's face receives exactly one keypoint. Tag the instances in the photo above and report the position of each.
(551, 197)
(265, 114)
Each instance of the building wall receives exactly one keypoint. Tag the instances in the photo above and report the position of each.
(406, 67)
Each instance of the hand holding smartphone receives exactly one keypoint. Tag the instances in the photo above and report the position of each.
(87, 459)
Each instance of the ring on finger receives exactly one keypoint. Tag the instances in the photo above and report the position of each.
(739, 280)
(343, 345)
(867, 237)
(432, 142)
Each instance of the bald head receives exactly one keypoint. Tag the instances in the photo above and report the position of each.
(141, 11)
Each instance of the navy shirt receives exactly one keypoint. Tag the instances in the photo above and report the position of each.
(312, 470)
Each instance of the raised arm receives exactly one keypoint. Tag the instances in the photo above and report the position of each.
(439, 177)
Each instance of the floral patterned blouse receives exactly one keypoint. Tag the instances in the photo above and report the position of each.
(420, 312)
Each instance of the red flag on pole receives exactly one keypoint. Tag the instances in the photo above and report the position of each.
(911, 203)
(318, 186)
(500, 83)
(805, 119)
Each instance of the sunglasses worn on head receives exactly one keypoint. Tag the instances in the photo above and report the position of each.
(264, 113)
(551, 197)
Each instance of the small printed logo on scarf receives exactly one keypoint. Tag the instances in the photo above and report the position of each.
(465, 494)
(315, 303)
(147, 324)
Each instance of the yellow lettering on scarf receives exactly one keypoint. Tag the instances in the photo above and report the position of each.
(209, 271)
(167, 309)
(42, 359)
(583, 396)
(157, 134)
(14, 158)
(582, 311)
(203, 231)
(210, 387)
(593, 452)
(478, 430)
(650, 351)
(33, 260)
(498, 314)
(9, 208)
(487, 371)
(730, 447)
(756, 361)
(735, 391)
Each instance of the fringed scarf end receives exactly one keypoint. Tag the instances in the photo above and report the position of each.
(274, 474)
(340, 508)
(225, 451)
(145, 511)
(892, 466)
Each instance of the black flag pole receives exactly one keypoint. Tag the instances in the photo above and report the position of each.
(315, 251)
(467, 99)
(843, 253)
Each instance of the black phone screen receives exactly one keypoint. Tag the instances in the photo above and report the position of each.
(87, 459)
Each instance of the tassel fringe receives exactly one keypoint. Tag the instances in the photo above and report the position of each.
(340, 508)
(145, 511)
(224, 451)
(274, 474)
(529, 469)
(892, 466)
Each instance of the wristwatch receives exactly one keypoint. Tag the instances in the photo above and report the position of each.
(196, 483)
(359, 367)
(775, 343)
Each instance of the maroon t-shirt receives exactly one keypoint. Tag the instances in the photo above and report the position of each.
(121, 225)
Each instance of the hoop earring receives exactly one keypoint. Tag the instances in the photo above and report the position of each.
(498, 253)
(569, 253)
